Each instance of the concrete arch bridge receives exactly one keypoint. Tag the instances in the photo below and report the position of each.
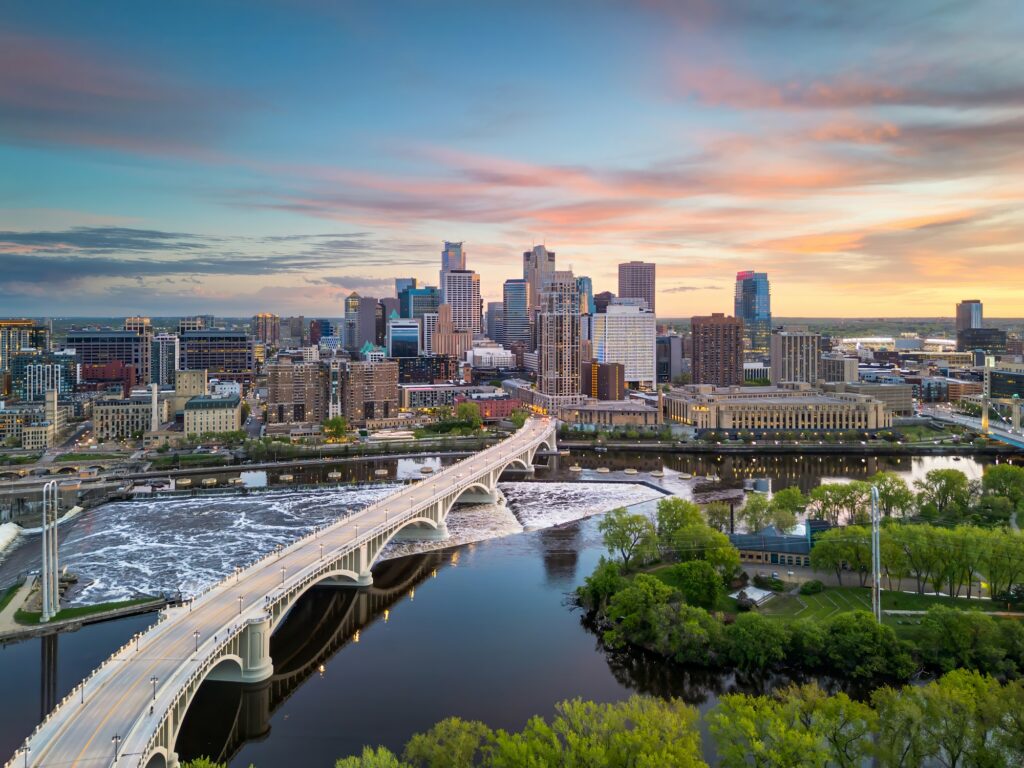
(131, 709)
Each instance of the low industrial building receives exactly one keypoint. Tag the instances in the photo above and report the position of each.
(787, 407)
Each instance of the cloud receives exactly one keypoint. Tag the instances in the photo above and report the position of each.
(689, 288)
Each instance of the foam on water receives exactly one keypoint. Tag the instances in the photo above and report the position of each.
(184, 544)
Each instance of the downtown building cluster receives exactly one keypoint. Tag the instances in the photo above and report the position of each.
(552, 344)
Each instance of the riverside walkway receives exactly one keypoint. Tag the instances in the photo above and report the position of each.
(130, 709)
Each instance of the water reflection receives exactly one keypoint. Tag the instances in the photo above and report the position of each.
(225, 716)
(560, 551)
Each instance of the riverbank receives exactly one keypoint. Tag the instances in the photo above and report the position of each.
(18, 624)
(825, 449)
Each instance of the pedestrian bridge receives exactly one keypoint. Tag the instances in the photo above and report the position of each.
(130, 709)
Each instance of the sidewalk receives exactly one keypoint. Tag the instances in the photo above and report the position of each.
(7, 622)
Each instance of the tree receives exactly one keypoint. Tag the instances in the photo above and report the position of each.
(943, 495)
(469, 413)
(699, 582)
(753, 731)
(952, 638)
(785, 506)
(755, 514)
(861, 649)
(518, 417)
(628, 535)
(829, 553)
(719, 515)
(382, 757)
(600, 585)
(631, 611)
(845, 725)
(699, 542)
(335, 428)
(895, 499)
(672, 516)
(1004, 480)
(451, 743)
(246, 410)
(755, 642)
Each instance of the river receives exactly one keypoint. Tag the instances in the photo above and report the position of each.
(480, 630)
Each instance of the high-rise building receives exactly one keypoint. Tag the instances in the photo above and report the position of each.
(991, 341)
(837, 367)
(266, 328)
(293, 332)
(586, 288)
(403, 337)
(636, 281)
(603, 381)
(143, 327)
(350, 322)
(668, 358)
(516, 312)
(361, 321)
(538, 264)
(558, 336)
(196, 323)
(404, 284)
(297, 390)
(717, 350)
(624, 334)
(429, 321)
(969, 315)
(98, 349)
(753, 306)
(34, 372)
(165, 356)
(446, 338)
(225, 355)
(368, 391)
(794, 353)
(20, 333)
(462, 294)
(416, 302)
(602, 300)
(496, 321)
(452, 258)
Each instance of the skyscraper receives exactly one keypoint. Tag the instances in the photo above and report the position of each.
(462, 292)
(558, 348)
(452, 258)
(624, 334)
(164, 358)
(496, 321)
(403, 284)
(415, 302)
(753, 307)
(403, 336)
(266, 327)
(636, 281)
(537, 264)
(795, 354)
(446, 338)
(717, 350)
(969, 315)
(516, 306)
(586, 288)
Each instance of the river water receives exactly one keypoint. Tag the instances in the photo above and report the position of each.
(480, 630)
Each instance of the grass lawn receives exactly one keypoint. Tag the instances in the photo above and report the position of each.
(87, 455)
(31, 617)
(6, 458)
(7, 596)
(835, 600)
(916, 433)
(190, 460)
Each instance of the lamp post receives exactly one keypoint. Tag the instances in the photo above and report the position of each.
(321, 551)
(154, 680)
(195, 634)
(116, 741)
(240, 605)
(25, 750)
(283, 569)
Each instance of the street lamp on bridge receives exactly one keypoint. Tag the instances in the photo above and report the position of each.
(283, 569)
(116, 741)
(195, 634)
(154, 680)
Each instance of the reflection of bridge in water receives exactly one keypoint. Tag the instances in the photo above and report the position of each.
(225, 715)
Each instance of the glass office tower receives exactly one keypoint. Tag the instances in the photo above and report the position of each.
(754, 308)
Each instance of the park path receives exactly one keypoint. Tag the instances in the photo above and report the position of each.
(7, 622)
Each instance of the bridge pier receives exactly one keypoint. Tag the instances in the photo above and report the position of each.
(423, 533)
(254, 647)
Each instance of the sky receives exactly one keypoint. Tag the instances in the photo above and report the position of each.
(237, 157)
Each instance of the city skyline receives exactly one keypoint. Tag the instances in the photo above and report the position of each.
(866, 156)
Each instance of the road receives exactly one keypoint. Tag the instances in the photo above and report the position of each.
(113, 707)
(996, 431)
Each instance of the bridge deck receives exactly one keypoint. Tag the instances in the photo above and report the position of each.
(116, 699)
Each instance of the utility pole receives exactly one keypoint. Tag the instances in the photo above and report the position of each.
(876, 557)
(50, 586)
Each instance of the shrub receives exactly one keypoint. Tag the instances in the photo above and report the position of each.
(812, 587)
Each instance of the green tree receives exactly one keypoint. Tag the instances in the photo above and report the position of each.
(628, 535)
(755, 642)
(518, 417)
(673, 515)
(829, 552)
(381, 757)
(335, 428)
(895, 499)
(952, 639)
(718, 515)
(861, 649)
(700, 542)
(451, 743)
(943, 495)
(631, 611)
(845, 725)
(754, 731)
(756, 512)
(1004, 480)
(599, 586)
(785, 506)
(469, 414)
(699, 582)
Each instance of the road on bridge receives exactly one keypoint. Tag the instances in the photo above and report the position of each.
(142, 678)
